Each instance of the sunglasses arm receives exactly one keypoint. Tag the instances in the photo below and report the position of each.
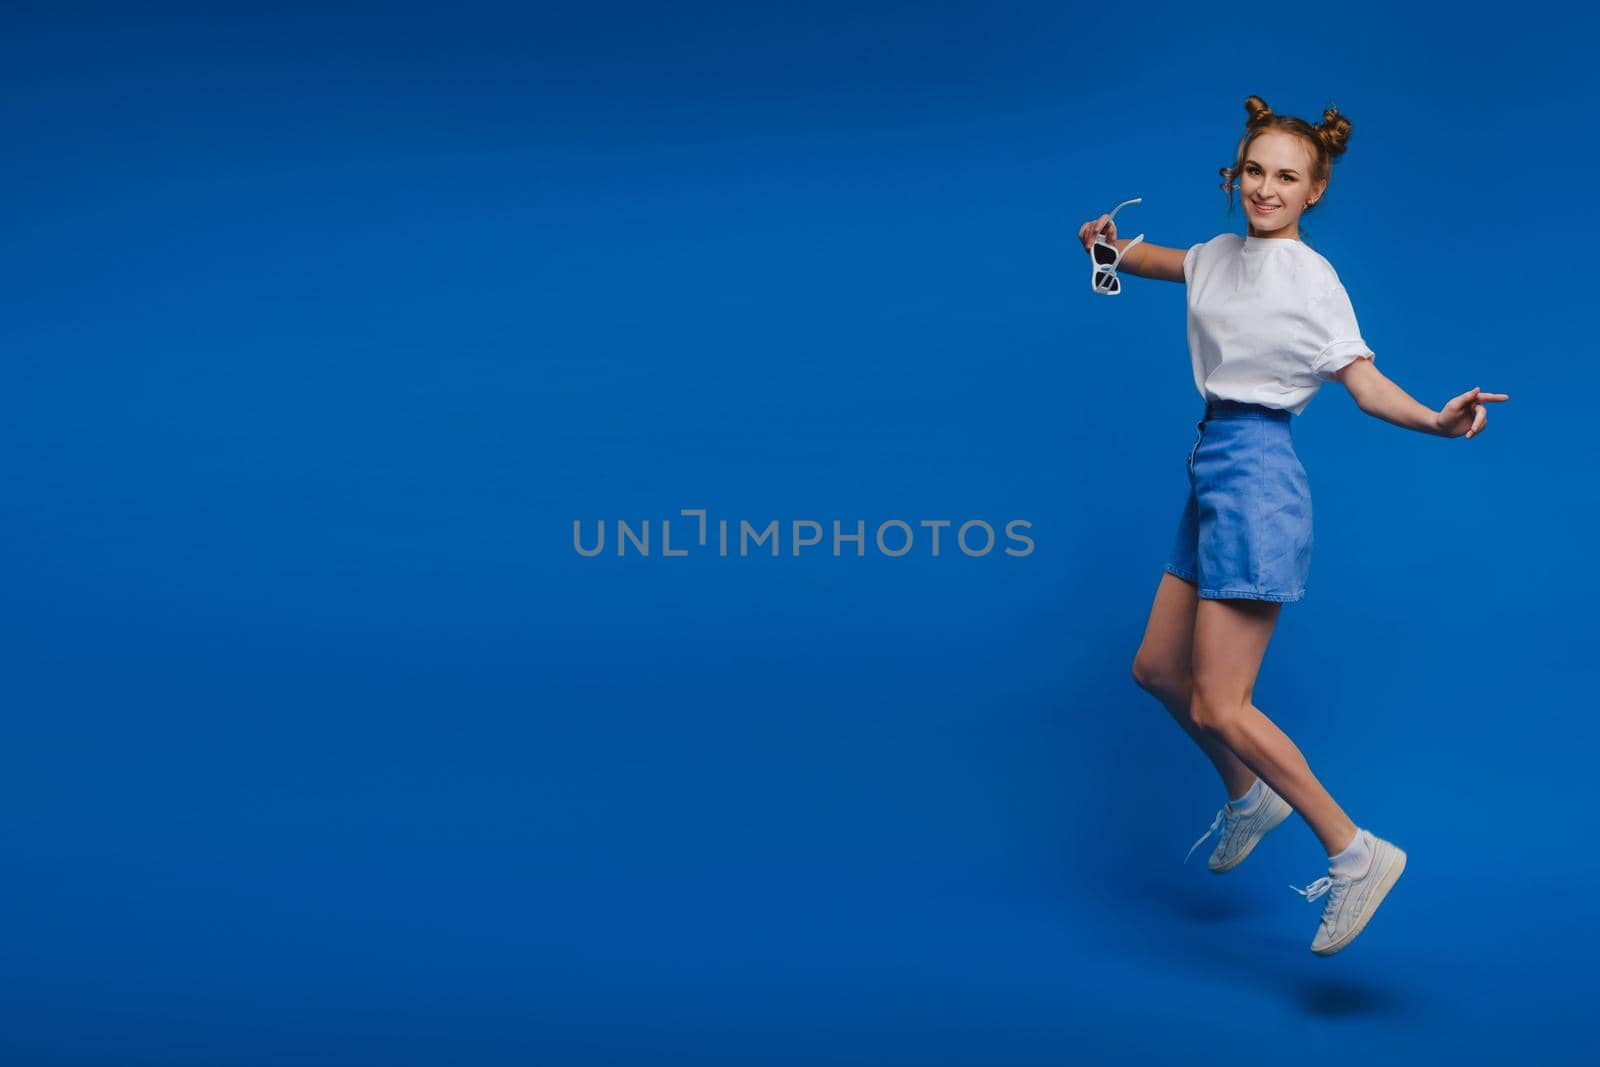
(1100, 239)
(1125, 203)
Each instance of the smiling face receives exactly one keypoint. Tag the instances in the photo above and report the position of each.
(1277, 176)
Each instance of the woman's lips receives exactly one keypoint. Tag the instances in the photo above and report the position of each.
(1264, 210)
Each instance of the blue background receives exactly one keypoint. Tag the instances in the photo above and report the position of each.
(324, 323)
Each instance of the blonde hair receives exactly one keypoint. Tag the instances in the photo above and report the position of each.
(1327, 142)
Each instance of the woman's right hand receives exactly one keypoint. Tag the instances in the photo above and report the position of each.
(1087, 232)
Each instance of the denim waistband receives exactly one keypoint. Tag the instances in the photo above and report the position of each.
(1238, 409)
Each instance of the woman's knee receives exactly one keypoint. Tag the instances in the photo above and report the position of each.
(1161, 680)
(1214, 710)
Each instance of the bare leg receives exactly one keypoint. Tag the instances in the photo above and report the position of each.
(1164, 668)
(1230, 639)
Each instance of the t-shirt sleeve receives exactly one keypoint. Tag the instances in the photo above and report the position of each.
(1335, 336)
(1188, 262)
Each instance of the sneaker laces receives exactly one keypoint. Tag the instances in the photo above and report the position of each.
(1334, 886)
(1224, 819)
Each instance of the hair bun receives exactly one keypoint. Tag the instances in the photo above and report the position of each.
(1257, 109)
(1334, 130)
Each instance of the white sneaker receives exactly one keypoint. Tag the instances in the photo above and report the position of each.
(1352, 901)
(1241, 832)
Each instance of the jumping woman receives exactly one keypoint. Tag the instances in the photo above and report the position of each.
(1268, 323)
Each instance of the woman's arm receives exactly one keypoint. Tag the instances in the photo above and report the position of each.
(1152, 261)
(1381, 398)
(1375, 394)
(1144, 261)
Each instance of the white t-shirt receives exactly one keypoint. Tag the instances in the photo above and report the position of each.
(1269, 321)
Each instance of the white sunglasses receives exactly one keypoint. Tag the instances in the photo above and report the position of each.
(1106, 257)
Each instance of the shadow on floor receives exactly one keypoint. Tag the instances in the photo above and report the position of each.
(1222, 927)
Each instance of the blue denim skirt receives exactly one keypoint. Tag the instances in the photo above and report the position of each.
(1246, 527)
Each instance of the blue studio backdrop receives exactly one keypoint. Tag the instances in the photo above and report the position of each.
(336, 333)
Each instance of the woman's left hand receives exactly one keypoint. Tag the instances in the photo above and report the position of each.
(1466, 414)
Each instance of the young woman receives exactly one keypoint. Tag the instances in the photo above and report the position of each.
(1268, 323)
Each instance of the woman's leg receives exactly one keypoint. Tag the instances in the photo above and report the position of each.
(1163, 667)
(1230, 639)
